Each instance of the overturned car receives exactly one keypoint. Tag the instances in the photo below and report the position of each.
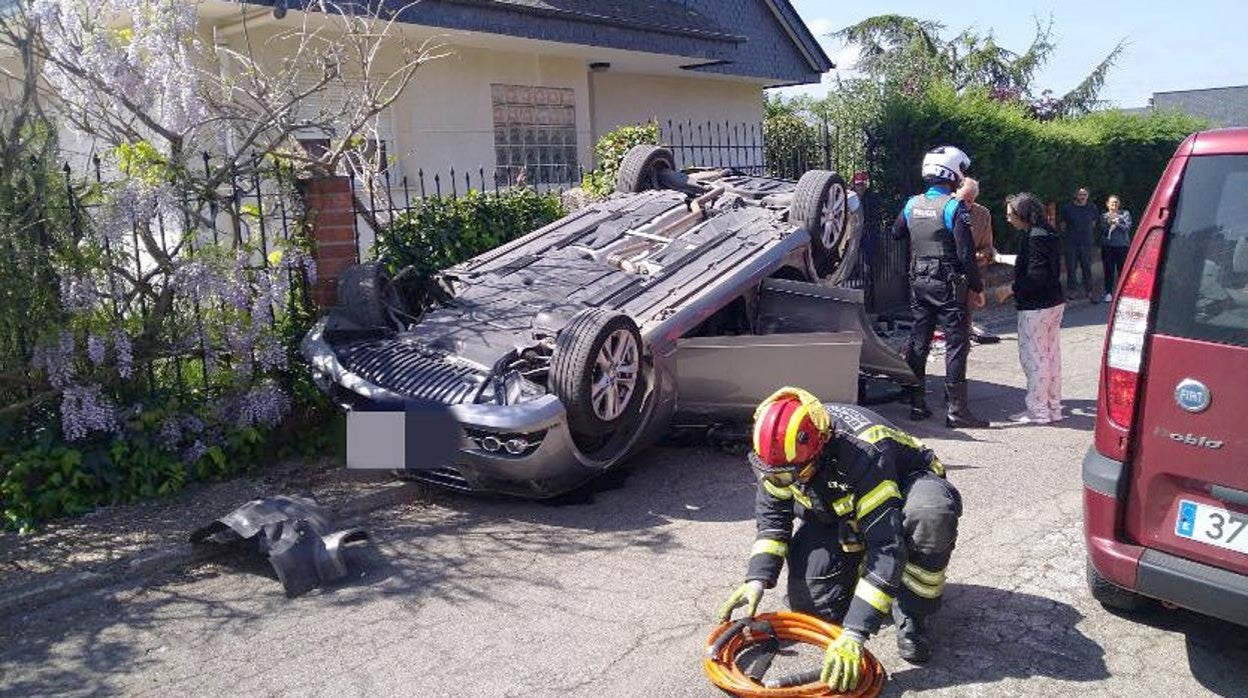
(685, 298)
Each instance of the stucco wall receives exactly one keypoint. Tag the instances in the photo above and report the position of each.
(620, 98)
(446, 118)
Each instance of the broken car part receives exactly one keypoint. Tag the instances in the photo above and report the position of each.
(295, 533)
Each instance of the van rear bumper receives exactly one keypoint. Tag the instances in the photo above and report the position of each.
(1209, 590)
(1195, 586)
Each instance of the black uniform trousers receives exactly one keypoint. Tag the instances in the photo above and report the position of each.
(935, 298)
(822, 576)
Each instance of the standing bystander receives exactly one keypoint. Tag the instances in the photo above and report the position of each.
(1038, 296)
(1078, 220)
(985, 252)
(872, 210)
(1116, 229)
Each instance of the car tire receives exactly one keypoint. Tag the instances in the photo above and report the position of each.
(640, 169)
(595, 408)
(1111, 595)
(366, 295)
(821, 206)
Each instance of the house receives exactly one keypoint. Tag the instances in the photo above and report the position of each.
(1222, 106)
(532, 84)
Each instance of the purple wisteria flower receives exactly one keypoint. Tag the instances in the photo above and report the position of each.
(264, 405)
(78, 293)
(56, 360)
(170, 434)
(194, 452)
(95, 349)
(83, 410)
(125, 353)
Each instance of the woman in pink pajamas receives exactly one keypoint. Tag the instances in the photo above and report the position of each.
(1038, 296)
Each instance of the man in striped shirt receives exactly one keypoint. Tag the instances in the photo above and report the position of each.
(869, 496)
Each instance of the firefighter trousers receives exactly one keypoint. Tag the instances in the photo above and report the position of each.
(822, 576)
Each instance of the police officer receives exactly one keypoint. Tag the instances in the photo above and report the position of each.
(864, 491)
(944, 281)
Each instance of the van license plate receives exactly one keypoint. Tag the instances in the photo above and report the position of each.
(1213, 526)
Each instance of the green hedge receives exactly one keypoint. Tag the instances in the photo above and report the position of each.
(439, 232)
(1109, 152)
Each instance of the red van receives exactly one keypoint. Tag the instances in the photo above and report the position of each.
(1166, 484)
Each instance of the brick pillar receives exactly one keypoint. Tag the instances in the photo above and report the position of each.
(331, 218)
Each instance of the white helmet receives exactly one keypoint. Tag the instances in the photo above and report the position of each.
(946, 162)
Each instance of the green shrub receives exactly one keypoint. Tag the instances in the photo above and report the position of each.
(439, 232)
(610, 150)
(44, 477)
(792, 145)
(1108, 152)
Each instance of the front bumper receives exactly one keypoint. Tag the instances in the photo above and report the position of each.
(1202, 588)
(548, 465)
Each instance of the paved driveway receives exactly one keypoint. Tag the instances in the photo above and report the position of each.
(613, 595)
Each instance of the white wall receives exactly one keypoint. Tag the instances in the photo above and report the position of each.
(446, 117)
(621, 98)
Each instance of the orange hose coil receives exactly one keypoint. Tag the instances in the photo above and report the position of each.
(723, 672)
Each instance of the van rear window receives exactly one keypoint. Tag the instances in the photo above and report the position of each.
(1204, 283)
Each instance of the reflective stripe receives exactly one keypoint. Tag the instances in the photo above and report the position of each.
(937, 467)
(881, 493)
(777, 492)
(765, 546)
(844, 505)
(931, 577)
(800, 496)
(758, 429)
(868, 592)
(791, 431)
(880, 432)
(927, 591)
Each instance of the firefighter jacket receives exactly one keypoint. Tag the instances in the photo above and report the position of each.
(857, 488)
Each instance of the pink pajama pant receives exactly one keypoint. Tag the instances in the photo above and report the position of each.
(1040, 353)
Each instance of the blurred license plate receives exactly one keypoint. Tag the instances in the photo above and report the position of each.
(413, 436)
(1213, 526)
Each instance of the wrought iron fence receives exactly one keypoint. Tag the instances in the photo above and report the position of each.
(883, 275)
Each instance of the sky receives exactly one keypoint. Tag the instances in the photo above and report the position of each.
(1170, 45)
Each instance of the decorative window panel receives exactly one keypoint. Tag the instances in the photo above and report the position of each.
(534, 133)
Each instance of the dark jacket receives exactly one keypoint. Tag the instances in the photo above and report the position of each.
(1037, 271)
(858, 484)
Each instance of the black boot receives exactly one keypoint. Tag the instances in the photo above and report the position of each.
(958, 413)
(918, 404)
(918, 394)
(913, 644)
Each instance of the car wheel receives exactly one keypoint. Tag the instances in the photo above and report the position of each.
(821, 206)
(640, 169)
(596, 371)
(366, 295)
(1111, 595)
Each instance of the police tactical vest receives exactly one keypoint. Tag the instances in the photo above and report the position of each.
(929, 236)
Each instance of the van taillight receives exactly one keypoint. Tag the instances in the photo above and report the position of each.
(1129, 329)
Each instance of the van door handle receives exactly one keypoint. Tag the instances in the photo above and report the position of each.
(1228, 494)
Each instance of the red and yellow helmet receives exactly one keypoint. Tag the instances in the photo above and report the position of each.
(790, 428)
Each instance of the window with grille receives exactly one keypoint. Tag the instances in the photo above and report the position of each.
(534, 134)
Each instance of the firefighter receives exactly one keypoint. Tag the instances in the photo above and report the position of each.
(879, 523)
(944, 281)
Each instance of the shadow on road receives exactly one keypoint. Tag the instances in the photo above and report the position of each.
(985, 635)
(1217, 651)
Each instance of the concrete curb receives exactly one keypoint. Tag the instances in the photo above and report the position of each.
(171, 557)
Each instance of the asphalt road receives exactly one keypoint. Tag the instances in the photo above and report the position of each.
(614, 595)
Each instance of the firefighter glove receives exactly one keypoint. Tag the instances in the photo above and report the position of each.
(842, 663)
(748, 595)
